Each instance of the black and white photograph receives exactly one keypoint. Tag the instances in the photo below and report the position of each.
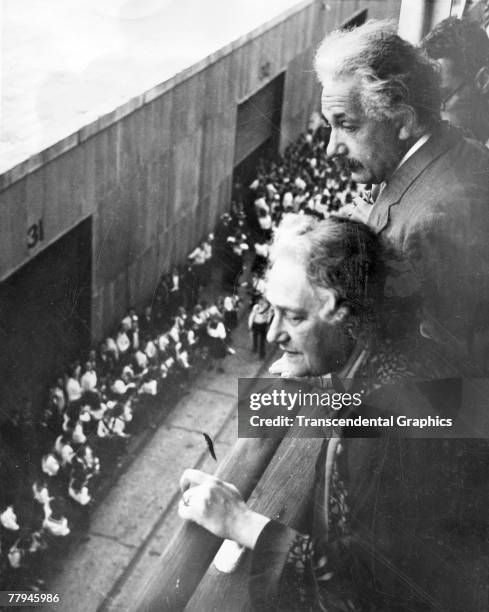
(244, 305)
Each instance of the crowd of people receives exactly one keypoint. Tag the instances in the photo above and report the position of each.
(52, 469)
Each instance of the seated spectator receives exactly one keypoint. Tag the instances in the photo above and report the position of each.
(56, 523)
(182, 359)
(78, 434)
(191, 338)
(123, 343)
(151, 351)
(97, 409)
(271, 191)
(212, 311)
(78, 489)
(180, 318)
(40, 492)
(174, 333)
(73, 388)
(113, 424)
(88, 380)
(130, 316)
(24, 557)
(117, 421)
(163, 342)
(198, 319)
(288, 201)
(141, 362)
(8, 519)
(120, 388)
(127, 375)
(111, 347)
(64, 450)
(149, 384)
(50, 465)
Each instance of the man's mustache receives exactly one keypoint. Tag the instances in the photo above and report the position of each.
(347, 163)
(353, 164)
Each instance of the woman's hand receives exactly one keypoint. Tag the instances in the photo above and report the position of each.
(219, 507)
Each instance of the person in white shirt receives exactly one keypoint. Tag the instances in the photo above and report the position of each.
(111, 347)
(260, 316)
(230, 310)
(88, 381)
(216, 336)
(73, 388)
(261, 257)
(287, 201)
(198, 259)
(123, 343)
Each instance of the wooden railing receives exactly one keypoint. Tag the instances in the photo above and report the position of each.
(276, 477)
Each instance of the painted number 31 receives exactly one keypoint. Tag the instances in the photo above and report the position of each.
(35, 234)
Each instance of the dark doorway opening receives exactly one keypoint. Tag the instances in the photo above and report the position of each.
(45, 323)
(246, 171)
(257, 138)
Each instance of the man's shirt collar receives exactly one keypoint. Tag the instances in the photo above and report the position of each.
(417, 145)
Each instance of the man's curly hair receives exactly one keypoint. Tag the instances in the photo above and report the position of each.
(392, 73)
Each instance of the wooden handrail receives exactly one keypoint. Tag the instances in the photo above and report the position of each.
(283, 494)
(190, 552)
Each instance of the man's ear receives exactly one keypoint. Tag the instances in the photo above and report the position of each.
(482, 80)
(407, 123)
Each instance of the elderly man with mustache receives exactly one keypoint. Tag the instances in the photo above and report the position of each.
(381, 97)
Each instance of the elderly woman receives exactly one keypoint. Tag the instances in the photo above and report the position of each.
(395, 520)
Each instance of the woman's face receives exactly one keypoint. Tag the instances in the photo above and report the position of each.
(313, 342)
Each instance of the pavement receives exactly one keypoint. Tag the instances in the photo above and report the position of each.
(137, 519)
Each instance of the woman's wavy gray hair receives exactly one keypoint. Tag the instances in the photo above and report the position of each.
(393, 73)
(341, 255)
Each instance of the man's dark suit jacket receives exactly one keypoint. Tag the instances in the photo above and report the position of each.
(416, 527)
(433, 215)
